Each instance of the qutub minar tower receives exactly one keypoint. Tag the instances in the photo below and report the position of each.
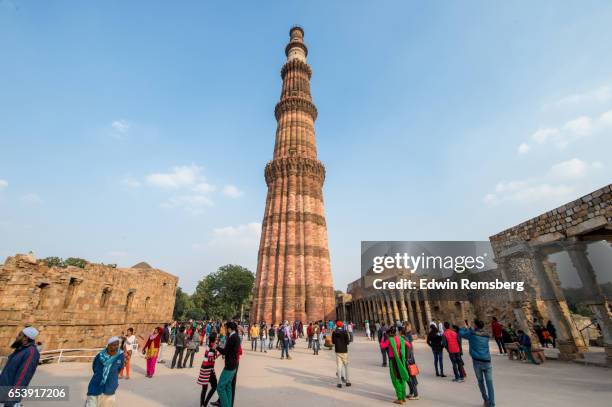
(294, 280)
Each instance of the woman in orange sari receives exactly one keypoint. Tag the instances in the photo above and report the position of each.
(151, 350)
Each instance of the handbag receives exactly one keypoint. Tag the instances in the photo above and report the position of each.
(413, 369)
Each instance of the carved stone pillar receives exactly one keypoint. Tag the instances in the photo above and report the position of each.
(402, 300)
(597, 301)
(570, 342)
(419, 314)
(396, 314)
(427, 308)
(383, 307)
(389, 308)
(410, 311)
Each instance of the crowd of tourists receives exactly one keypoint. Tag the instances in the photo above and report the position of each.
(225, 339)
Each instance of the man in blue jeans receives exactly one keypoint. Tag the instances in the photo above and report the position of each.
(479, 351)
(285, 332)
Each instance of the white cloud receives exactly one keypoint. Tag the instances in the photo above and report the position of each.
(3, 183)
(241, 236)
(543, 135)
(600, 95)
(179, 177)
(130, 182)
(192, 203)
(571, 169)
(204, 187)
(581, 126)
(527, 191)
(120, 126)
(559, 182)
(573, 130)
(31, 199)
(523, 148)
(606, 118)
(232, 191)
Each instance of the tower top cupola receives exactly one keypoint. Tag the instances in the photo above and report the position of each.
(296, 49)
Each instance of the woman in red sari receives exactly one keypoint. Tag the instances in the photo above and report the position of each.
(151, 350)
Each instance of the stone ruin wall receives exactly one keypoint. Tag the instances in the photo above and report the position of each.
(81, 308)
(571, 219)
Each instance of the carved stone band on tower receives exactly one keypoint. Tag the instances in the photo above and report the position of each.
(294, 280)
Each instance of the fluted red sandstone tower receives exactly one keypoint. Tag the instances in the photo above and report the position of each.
(294, 280)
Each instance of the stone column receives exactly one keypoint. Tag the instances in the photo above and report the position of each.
(362, 309)
(402, 300)
(396, 314)
(579, 256)
(379, 315)
(383, 308)
(370, 312)
(427, 308)
(570, 341)
(410, 312)
(389, 307)
(422, 328)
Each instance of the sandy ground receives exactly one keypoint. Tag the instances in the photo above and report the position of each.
(265, 380)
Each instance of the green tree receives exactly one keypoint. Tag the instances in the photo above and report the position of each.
(182, 304)
(54, 262)
(75, 261)
(222, 293)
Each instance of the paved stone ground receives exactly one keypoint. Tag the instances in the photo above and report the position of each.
(265, 380)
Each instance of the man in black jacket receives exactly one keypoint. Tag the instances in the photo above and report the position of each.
(165, 340)
(230, 351)
(341, 340)
(179, 346)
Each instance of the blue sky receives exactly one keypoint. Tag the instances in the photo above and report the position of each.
(140, 131)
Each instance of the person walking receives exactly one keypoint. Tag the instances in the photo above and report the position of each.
(436, 343)
(382, 336)
(285, 332)
(254, 335)
(129, 347)
(165, 340)
(349, 330)
(478, 341)
(207, 374)
(263, 338)
(497, 331)
(151, 350)
(310, 334)
(341, 340)
(461, 363)
(452, 346)
(411, 366)
(192, 347)
(179, 348)
(395, 345)
(525, 346)
(105, 380)
(20, 365)
(230, 352)
(367, 330)
(271, 335)
(316, 339)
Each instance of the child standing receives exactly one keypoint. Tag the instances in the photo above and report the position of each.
(207, 374)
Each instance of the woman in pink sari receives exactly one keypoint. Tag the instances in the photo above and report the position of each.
(151, 350)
